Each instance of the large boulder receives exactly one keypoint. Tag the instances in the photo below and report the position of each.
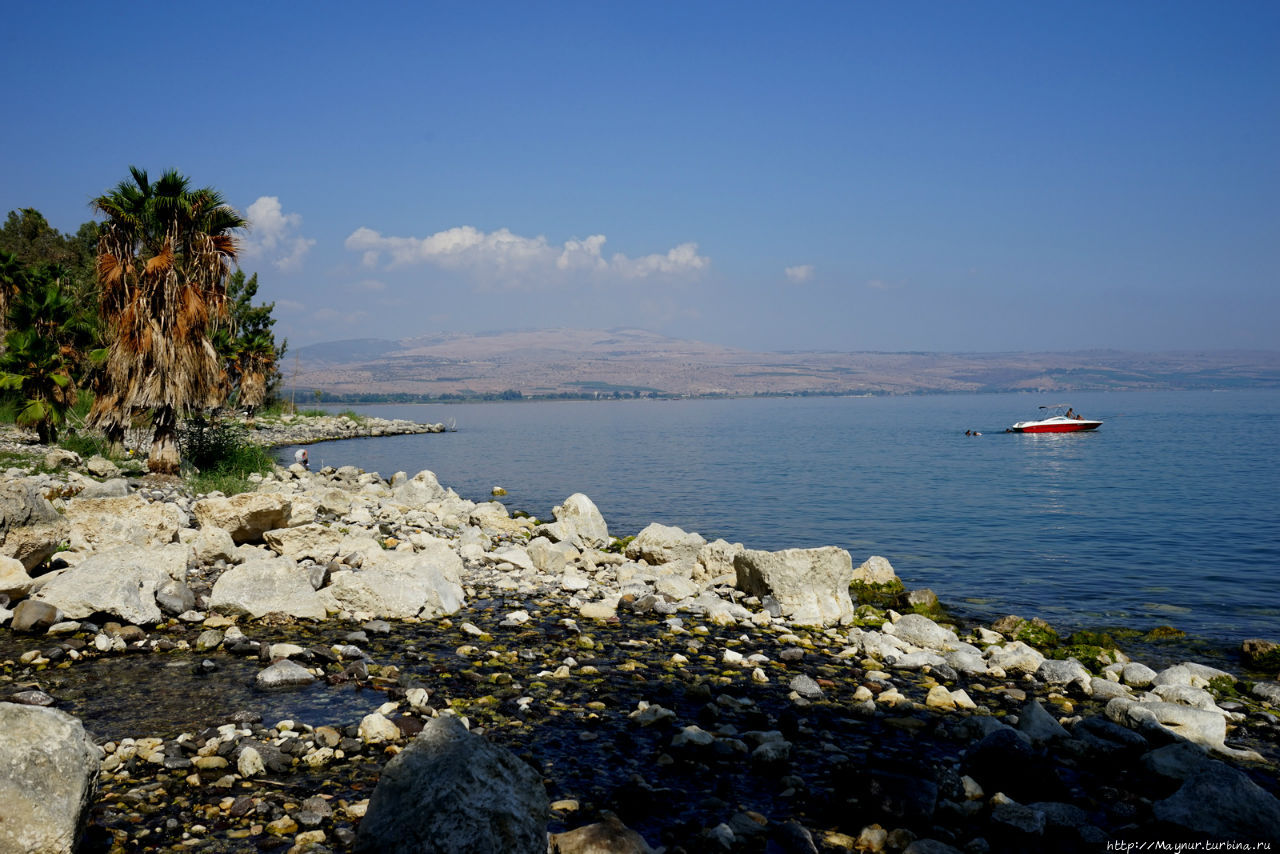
(658, 544)
(453, 792)
(716, 559)
(246, 517)
(1222, 803)
(313, 541)
(121, 581)
(264, 586)
(210, 544)
(550, 557)
(103, 523)
(418, 491)
(919, 630)
(493, 516)
(578, 522)
(14, 580)
(30, 529)
(48, 770)
(811, 586)
(401, 585)
(1199, 726)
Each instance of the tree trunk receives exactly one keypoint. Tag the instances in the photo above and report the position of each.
(165, 457)
(114, 434)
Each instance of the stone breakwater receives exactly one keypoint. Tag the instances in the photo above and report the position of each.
(466, 679)
(303, 430)
(272, 431)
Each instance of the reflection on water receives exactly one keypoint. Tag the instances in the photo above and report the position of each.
(154, 693)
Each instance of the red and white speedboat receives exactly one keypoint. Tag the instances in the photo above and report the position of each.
(1068, 421)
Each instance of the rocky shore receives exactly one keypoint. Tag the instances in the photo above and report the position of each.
(339, 661)
(269, 431)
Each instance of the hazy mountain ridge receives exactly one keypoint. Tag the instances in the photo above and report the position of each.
(567, 361)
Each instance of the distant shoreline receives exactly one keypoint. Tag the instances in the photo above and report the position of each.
(394, 399)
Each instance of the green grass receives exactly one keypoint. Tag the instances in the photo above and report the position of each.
(219, 456)
(87, 444)
(13, 459)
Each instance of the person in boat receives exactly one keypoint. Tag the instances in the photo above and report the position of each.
(1071, 413)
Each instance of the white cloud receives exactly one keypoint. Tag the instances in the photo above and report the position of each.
(800, 273)
(273, 235)
(879, 285)
(370, 285)
(511, 260)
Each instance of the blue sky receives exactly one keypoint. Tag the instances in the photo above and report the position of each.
(842, 176)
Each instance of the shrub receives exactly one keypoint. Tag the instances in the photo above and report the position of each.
(220, 455)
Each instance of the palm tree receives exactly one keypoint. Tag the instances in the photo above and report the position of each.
(43, 350)
(164, 254)
(12, 278)
(255, 361)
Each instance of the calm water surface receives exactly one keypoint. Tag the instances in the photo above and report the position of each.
(1168, 514)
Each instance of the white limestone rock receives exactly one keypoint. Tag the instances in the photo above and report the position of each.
(578, 522)
(919, 630)
(48, 771)
(1135, 674)
(376, 728)
(246, 517)
(122, 581)
(318, 542)
(875, 570)
(659, 544)
(551, 557)
(810, 585)
(102, 523)
(210, 544)
(419, 491)
(1068, 673)
(14, 580)
(715, 560)
(31, 530)
(1015, 656)
(396, 591)
(267, 585)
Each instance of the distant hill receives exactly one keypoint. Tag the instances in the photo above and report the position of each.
(630, 362)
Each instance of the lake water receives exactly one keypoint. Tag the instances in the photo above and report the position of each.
(1168, 514)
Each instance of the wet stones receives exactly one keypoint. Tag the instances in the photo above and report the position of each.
(284, 675)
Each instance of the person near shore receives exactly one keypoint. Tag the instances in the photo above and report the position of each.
(300, 457)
